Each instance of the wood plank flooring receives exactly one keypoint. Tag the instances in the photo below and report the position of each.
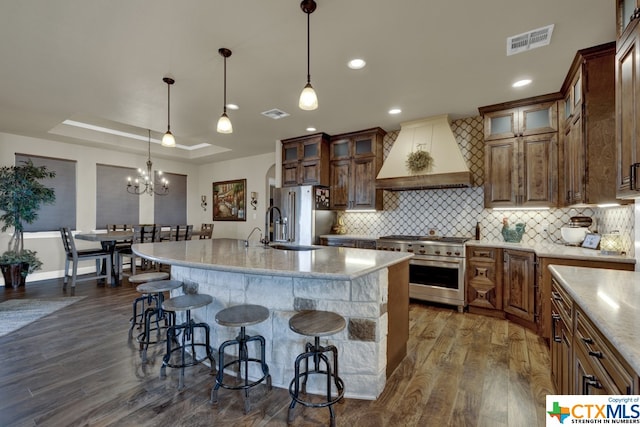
(77, 367)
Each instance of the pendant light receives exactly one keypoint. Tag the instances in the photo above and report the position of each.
(308, 98)
(224, 124)
(167, 139)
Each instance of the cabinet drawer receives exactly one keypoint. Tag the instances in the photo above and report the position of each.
(480, 253)
(562, 303)
(601, 355)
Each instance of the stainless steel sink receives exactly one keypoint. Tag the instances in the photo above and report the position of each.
(293, 247)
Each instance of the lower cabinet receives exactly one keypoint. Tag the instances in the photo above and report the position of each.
(544, 282)
(483, 277)
(598, 368)
(583, 361)
(502, 283)
(561, 343)
(519, 285)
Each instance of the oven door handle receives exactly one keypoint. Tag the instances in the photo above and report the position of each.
(454, 265)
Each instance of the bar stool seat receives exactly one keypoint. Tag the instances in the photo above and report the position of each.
(145, 300)
(314, 323)
(156, 291)
(241, 316)
(148, 277)
(186, 303)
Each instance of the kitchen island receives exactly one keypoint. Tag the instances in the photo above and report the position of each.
(368, 288)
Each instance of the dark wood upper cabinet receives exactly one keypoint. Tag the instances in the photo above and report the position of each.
(305, 160)
(355, 160)
(627, 99)
(521, 139)
(588, 128)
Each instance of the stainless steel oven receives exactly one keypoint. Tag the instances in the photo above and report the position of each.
(436, 272)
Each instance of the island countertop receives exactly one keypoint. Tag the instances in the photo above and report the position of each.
(231, 255)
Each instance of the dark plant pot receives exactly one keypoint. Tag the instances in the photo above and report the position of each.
(13, 274)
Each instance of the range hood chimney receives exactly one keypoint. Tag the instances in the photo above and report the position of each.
(434, 135)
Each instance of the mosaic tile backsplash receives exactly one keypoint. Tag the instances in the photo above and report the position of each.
(455, 212)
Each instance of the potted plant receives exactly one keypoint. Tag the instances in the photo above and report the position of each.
(21, 195)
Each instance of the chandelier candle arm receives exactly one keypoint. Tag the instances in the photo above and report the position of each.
(224, 124)
(167, 139)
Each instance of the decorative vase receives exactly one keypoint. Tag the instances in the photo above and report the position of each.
(13, 274)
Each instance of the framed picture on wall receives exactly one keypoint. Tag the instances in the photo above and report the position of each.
(230, 200)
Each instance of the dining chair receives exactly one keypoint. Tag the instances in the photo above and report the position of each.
(73, 255)
(147, 233)
(206, 231)
(180, 232)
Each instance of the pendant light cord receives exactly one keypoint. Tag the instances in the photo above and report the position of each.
(308, 47)
(168, 106)
(225, 86)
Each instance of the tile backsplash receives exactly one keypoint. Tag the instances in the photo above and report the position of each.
(456, 211)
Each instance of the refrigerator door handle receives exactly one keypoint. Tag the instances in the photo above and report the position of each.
(293, 219)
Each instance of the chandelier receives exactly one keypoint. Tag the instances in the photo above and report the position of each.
(144, 183)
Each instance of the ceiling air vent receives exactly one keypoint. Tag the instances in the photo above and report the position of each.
(275, 114)
(529, 40)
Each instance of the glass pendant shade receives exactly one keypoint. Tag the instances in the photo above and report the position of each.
(168, 140)
(224, 124)
(308, 98)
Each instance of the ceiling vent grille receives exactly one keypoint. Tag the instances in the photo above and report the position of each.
(275, 114)
(529, 40)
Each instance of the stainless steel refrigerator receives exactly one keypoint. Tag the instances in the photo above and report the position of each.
(305, 214)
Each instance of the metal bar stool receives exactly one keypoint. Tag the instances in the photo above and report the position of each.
(242, 316)
(186, 303)
(315, 324)
(156, 291)
(145, 300)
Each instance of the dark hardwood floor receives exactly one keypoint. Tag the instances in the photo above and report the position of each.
(77, 367)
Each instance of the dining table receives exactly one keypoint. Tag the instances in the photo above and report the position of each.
(108, 241)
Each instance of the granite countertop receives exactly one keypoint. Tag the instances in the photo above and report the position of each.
(555, 250)
(231, 255)
(611, 299)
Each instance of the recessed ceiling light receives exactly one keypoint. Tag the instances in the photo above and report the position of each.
(232, 106)
(311, 129)
(395, 111)
(356, 64)
(521, 83)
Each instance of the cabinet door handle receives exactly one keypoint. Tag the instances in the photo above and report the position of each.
(633, 176)
(556, 296)
(555, 317)
(590, 381)
(587, 340)
(597, 354)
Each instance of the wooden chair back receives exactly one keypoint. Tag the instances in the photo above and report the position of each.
(206, 231)
(180, 232)
(119, 227)
(147, 233)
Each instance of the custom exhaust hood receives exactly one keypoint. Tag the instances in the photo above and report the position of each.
(434, 135)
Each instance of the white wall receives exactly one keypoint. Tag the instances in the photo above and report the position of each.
(255, 170)
(199, 179)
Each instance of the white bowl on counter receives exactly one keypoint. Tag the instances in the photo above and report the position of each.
(573, 235)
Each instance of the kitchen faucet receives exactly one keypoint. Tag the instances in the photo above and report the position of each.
(246, 242)
(265, 241)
